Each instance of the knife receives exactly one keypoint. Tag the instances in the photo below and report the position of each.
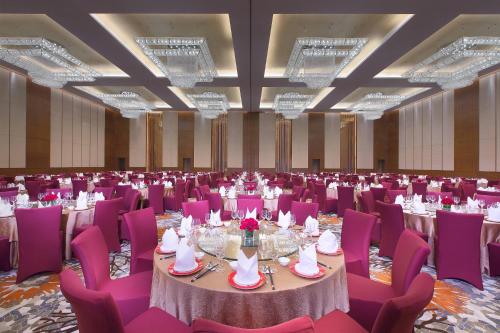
(211, 269)
(167, 257)
(324, 265)
(270, 272)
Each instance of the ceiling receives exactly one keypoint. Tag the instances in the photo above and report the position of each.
(250, 42)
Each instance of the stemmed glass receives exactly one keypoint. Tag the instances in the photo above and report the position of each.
(456, 200)
(431, 198)
(40, 196)
(220, 250)
(234, 214)
(241, 214)
(275, 252)
(293, 220)
(269, 216)
(481, 204)
(207, 218)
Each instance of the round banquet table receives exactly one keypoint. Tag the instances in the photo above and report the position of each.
(145, 193)
(213, 298)
(231, 204)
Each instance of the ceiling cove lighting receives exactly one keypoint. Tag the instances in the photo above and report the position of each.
(318, 61)
(184, 60)
(457, 65)
(291, 104)
(372, 106)
(210, 104)
(130, 104)
(47, 63)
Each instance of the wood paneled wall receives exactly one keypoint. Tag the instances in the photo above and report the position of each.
(117, 140)
(185, 138)
(316, 146)
(37, 126)
(385, 143)
(251, 141)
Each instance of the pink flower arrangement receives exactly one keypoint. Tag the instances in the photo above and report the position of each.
(249, 225)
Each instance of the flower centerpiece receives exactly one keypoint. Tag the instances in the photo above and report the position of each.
(49, 199)
(249, 226)
(446, 202)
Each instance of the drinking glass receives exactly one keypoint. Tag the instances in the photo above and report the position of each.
(275, 253)
(241, 215)
(207, 218)
(234, 215)
(292, 220)
(481, 204)
(40, 196)
(456, 200)
(220, 250)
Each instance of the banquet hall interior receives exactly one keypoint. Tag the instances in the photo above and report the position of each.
(328, 166)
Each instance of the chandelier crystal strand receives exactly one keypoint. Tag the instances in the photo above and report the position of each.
(210, 104)
(291, 104)
(372, 106)
(130, 104)
(318, 61)
(458, 64)
(184, 60)
(46, 62)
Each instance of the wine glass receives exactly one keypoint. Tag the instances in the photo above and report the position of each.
(293, 220)
(207, 218)
(220, 250)
(275, 252)
(40, 196)
(241, 214)
(456, 200)
(234, 215)
(481, 204)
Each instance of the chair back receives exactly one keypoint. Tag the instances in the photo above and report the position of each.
(302, 210)
(392, 226)
(33, 187)
(96, 311)
(392, 194)
(488, 199)
(320, 191)
(197, 209)
(214, 201)
(367, 202)
(249, 196)
(297, 192)
(91, 250)
(8, 194)
(143, 234)
(131, 200)
(297, 325)
(120, 190)
(204, 189)
(78, 185)
(398, 315)
(285, 202)
(468, 190)
(197, 194)
(39, 240)
(345, 199)
(410, 255)
(250, 205)
(106, 218)
(106, 191)
(419, 188)
(188, 188)
(378, 193)
(155, 198)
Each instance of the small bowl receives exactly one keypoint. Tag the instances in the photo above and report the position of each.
(234, 265)
(227, 224)
(199, 255)
(284, 261)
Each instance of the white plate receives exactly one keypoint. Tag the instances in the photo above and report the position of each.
(247, 283)
(297, 268)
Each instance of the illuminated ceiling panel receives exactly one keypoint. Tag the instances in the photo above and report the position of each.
(268, 94)
(232, 93)
(359, 93)
(143, 92)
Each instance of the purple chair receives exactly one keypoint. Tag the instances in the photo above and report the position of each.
(392, 194)
(130, 293)
(173, 202)
(378, 193)
(297, 192)
(106, 191)
(120, 190)
(33, 187)
(143, 239)
(188, 188)
(458, 249)
(467, 190)
(297, 325)
(345, 199)
(302, 210)
(39, 241)
(155, 198)
(197, 209)
(326, 205)
(355, 241)
(78, 185)
(250, 205)
(397, 315)
(204, 189)
(367, 203)
(489, 193)
(249, 196)
(97, 311)
(4, 254)
(197, 194)
(215, 204)
(305, 195)
(284, 205)
(366, 297)
(419, 188)
(130, 201)
(488, 199)
(8, 194)
(494, 258)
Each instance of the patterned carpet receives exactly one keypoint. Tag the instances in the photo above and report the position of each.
(37, 305)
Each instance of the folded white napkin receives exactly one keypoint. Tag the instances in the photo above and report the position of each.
(231, 193)
(140, 175)
(186, 223)
(247, 273)
(215, 219)
(5, 209)
(222, 191)
(472, 204)
(98, 196)
(328, 242)
(417, 198)
(269, 194)
(252, 214)
(81, 201)
(122, 184)
(400, 200)
(376, 185)
(284, 220)
(134, 186)
(312, 226)
(308, 263)
(67, 181)
(22, 200)
(494, 214)
(277, 191)
(240, 182)
(169, 241)
(331, 185)
(419, 208)
(184, 257)
(19, 178)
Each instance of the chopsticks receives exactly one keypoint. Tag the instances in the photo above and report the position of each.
(201, 274)
(324, 265)
(168, 257)
(270, 273)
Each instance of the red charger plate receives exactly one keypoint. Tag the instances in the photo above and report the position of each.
(159, 251)
(174, 272)
(233, 284)
(321, 272)
(339, 252)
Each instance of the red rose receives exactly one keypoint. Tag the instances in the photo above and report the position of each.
(49, 197)
(446, 201)
(249, 224)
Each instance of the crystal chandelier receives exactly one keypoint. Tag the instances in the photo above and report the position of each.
(47, 63)
(372, 106)
(291, 104)
(457, 65)
(210, 104)
(130, 104)
(184, 60)
(318, 61)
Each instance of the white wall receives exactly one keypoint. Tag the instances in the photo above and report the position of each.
(235, 139)
(300, 142)
(364, 143)
(202, 141)
(332, 141)
(170, 125)
(489, 122)
(267, 140)
(137, 145)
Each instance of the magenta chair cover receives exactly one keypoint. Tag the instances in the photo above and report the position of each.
(215, 204)
(188, 188)
(458, 249)
(367, 202)
(284, 205)
(130, 200)
(366, 297)
(106, 218)
(250, 205)
(204, 189)
(297, 192)
(355, 241)
(106, 191)
(173, 202)
(39, 241)
(8, 194)
(97, 311)
(345, 199)
(378, 193)
(419, 188)
(397, 315)
(489, 193)
(488, 199)
(143, 239)
(33, 187)
(155, 198)
(392, 194)
(249, 196)
(494, 258)
(326, 205)
(197, 209)
(305, 195)
(78, 185)
(467, 190)
(297, 325)
(4, 254)
(120, 190)
(197, 194)
(392, 226)
(131, 293)
(302, 210)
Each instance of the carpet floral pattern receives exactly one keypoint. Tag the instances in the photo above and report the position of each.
(37, 305)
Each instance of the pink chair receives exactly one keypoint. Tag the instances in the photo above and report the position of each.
(355, 241)
(458, 248)
(326, 205)
(249, 196)
(4, 254)
(396, 315)
(197, 209)
(297, 325)
(155, 198)
(197, 194)
(130, 201)
(494, 258)
(130, 293)
(33, 187)
(378, 193)
(284, 205)
(467, 190)
(97, 311)
(8, 194)
(215, 205)
(305, 195)
(250, 205)
(39, 241)
(345, 199)
(120, 190)
(302, 210)
(143, 239)
(106, 191)
(488, 199)
(297, 192)
(78, 185)
(392, 194)
(419, 188)
(489, 193)
(204, 189)
(366, 297)
(174, 202)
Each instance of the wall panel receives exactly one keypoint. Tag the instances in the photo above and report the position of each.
(300, 142)
(67, 131)
(55, 128)
(417, 136)
(437, 132)
(448, 131)
(170, 140)
(85, 111)
(101, 136)
(332, 141)
(409, 148)
(137, 134)
(487, 124)
(4, 117)
(77, 132)
(267, 140)
(364, 143)
(202, 141)
(426, 135)
(402, 139)
(235, 139)
(17, 121)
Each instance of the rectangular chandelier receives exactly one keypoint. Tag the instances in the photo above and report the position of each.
(184, 60)
(318, 61)
(372, 106)
(47, 63)
(458, 64)
(210, 104)
(291, 104)
(130, 104)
